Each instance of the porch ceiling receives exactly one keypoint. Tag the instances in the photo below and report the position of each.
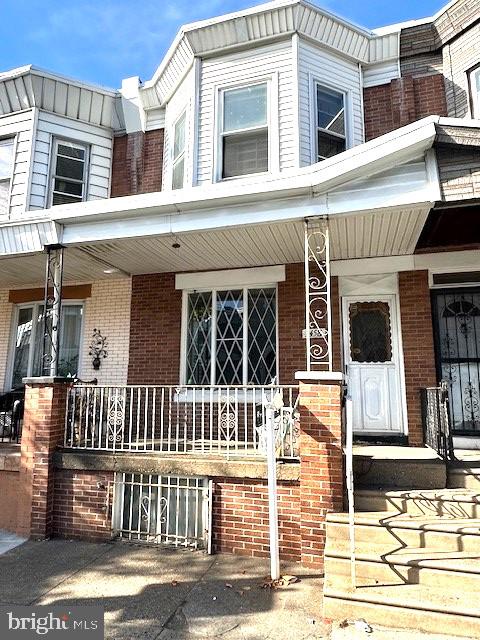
(370, 234)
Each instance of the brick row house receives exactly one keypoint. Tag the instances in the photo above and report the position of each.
(284, 215)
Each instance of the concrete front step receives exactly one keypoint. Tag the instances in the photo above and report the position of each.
(448, 503)
(464, 478)
(398, 467)
(399, 610)
(388, 532)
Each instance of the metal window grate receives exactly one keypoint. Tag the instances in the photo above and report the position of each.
(167, 510)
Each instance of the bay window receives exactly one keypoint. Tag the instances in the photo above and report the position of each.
(6, 167)
(28, 341)
(244, 130)
(231, 336)
(330, 122)
(69, 172)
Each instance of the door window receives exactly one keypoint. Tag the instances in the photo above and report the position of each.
(370, 332)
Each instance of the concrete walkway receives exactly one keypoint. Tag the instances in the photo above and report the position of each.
(149, 592)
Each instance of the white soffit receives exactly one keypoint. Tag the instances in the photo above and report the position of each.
(231, 278)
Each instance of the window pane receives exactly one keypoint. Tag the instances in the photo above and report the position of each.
(70, 332)
(6, 158)
(177, 177)
(70, 188)
(245, 153)
(329, 146)
(60, 198)
(330, 110)
(245, 108)
(22, 346)
(179, 137)
(229, 342)
(66, 149)
(370, 339)
(4, 191)
(262, 337)
(199, 328)
(69, 168)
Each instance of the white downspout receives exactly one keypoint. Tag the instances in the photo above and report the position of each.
(349, 478)
(272, 494)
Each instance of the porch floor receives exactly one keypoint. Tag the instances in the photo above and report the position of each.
(393, 452)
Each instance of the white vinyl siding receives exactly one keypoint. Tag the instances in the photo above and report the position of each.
(20, 127)
(272, 63)
(99, 141)
(329, 70)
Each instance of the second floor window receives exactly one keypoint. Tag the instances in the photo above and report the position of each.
(475, 92)
(69, 174)
(244, 131)
(331, 131)
(6, 166)
(178, 170)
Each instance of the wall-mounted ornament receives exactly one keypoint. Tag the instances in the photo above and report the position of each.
(98, 349)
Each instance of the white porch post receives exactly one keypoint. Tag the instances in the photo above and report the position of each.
(272, 494)
(318, 317)
(52, 309)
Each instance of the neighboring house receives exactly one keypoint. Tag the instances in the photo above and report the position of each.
(291, 200)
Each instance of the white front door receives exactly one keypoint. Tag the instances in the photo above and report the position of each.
(372, 358)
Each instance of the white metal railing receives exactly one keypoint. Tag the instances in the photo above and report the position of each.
(224, 421)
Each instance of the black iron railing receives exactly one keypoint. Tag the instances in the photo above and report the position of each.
(436, 420)
(11, 416)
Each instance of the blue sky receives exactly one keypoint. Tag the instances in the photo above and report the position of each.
(104, 41)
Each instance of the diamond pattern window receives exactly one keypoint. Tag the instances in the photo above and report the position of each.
(331, 131)
(231, 337)
(69, 175)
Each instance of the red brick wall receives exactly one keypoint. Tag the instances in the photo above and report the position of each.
(240, 517)
(82, 506)
(402, 101)
(155, 329)
(137, 163)
(291, 321)
(321, 465)
(9, 483)
(418, 345)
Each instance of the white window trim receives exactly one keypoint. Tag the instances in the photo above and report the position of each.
(184, 328)
(56, 140)
(348, 106)
(14, 140)
(13, 334)
(473, 94)
(272, 127)
(183, 154)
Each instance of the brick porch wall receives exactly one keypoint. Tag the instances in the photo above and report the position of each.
(418, 345)
(240, 518)
(82, 504)
(9, 483)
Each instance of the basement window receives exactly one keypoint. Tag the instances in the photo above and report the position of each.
(244, 130)
(166, 510)
(69, 172)
(6, 169)
(330, 122)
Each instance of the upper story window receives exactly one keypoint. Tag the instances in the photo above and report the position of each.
(330, 124)
(178, 171)
(231, 336)
(244, 130)
(6, 167)
(28, 341)
(69, 174)
(475, 91)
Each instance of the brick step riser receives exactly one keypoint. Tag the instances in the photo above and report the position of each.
(338, 577)
(419, 506)
(391, 538)
(402, 617)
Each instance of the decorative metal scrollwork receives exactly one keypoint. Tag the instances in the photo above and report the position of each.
(317, 285)
(52, 306)
(116, 418)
